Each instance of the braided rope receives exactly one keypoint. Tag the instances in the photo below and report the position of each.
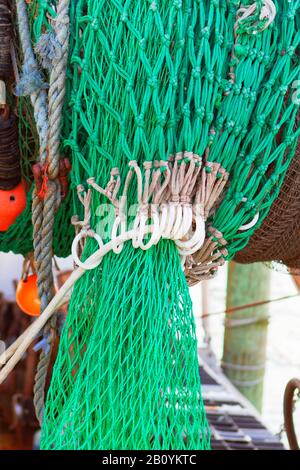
(57, 88)
(44, 234)
(48, 122)
(56, 99)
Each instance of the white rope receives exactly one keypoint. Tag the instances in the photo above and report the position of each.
(163, 226)
(171, 205)
(15, 352)
(251, 224)
(179, 196)
(17, 349)
(77, 240)
(2, 93)
(165, 220)
(268, 13)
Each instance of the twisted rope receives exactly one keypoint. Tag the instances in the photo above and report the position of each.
(43, 232)
(57, 88)
(56, 99)
(48, 122)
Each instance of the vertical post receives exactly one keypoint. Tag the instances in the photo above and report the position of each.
(205, 316)
(246, 330)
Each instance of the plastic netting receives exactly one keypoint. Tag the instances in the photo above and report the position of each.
(126, 375)
(255, 108)
(278, 237)
(257, 105)
(237, 104)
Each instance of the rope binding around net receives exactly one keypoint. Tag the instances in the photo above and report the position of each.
(172, 203)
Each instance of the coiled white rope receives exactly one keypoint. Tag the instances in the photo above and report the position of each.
(172, 214)
(172, 222)
(182, 194)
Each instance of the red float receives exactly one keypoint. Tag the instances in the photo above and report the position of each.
(12, 204)
(27, 296)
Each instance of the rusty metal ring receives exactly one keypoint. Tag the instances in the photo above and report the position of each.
(288, 409)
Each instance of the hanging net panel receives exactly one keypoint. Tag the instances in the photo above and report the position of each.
(257, 106)
(158, 86)
(125, 378)
(128, 353)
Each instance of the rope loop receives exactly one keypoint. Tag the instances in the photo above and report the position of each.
(174, 198)
(83, 235)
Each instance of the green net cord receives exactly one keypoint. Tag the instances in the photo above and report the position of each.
(148, 79)
(233, 96)
(259, 104)
(126, 375)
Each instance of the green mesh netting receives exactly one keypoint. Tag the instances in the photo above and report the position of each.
(126, 375)
(259, 104)
(235, 117)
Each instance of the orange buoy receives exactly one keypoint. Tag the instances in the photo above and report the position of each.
(27, 296)
(12, 204)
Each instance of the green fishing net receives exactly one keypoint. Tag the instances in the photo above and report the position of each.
(260, 103)
(126, 375)
(148, 79)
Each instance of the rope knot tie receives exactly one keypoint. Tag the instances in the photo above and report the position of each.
(252, 20)
(49, 49)
(172, 204)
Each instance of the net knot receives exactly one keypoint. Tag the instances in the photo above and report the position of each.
(173, 204)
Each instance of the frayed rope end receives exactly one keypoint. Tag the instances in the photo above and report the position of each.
(30, 82)
(48, 49)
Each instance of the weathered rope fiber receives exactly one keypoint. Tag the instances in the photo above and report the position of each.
(48, 110)
(51, 201)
